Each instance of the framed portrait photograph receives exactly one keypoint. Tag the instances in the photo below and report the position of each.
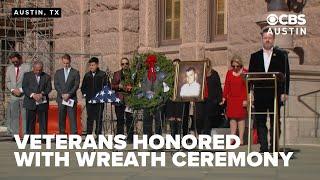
(189, 81)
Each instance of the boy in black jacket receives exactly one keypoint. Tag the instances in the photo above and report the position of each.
(93, 82)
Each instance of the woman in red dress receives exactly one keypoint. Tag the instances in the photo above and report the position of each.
(235, 95)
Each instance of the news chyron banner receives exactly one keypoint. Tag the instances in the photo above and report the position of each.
(109, 151)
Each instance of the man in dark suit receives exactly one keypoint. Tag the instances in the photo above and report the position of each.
(93, 82)
(36, 86)
(268, 59)
(66, 82)
(122, 91)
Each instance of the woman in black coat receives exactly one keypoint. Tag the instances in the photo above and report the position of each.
(208, 111)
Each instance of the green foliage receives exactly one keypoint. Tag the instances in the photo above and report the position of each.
(139, 98)
(127, 77)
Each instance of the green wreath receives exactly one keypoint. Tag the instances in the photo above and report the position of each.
(152, 82)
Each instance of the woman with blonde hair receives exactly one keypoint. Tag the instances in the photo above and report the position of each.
(235, 95)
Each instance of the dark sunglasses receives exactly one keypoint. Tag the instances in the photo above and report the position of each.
(124, 64)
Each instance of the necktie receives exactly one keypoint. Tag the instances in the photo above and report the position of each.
(65, 74)
(17, 74)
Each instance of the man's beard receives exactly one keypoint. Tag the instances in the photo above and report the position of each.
(268, 46)
(16, 64)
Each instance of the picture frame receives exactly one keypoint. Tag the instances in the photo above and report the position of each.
(189, 81)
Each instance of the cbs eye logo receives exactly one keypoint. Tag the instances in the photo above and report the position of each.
(272, 19)
(286, 19)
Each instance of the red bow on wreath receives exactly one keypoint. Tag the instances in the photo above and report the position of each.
(151, 61)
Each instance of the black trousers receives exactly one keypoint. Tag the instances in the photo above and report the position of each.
(177, 126)
(206, 117)
(72, 114)
(124, 118)
(94, 113)
(263, 104)
(209, 123)
(197, 119)
(31, 120)
(148, 121)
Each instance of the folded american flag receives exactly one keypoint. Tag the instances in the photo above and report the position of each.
(106, 95)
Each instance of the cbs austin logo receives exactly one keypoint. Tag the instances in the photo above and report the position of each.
(292, 24)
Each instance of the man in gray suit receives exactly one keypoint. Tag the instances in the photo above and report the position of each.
(66, 82)
(14, 77)
(36, 85)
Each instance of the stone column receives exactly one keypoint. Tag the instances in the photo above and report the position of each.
(194, 29)
(129, 31)
(148, 25)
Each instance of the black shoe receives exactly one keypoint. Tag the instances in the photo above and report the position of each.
(263, 151)
(271, 150)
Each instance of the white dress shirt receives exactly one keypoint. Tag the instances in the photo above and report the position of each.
(190, 90)
(66, 73)
(267, 54)
(38, 78)
(16, 69)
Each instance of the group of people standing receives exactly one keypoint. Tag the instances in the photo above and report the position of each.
(29, 96)
(30, 89)
(234, 96)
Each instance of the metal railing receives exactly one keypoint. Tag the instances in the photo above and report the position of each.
(315, 109)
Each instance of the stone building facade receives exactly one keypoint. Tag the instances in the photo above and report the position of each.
(118, 28)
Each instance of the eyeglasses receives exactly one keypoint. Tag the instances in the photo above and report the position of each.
(235, 66)
(122, 64)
